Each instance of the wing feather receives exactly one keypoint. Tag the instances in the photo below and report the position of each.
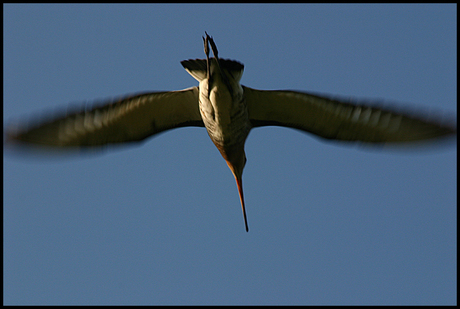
(126, 120)
(338, 120)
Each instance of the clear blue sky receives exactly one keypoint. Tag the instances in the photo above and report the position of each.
(162, 223)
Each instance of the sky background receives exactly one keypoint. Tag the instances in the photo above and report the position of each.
(162, 223)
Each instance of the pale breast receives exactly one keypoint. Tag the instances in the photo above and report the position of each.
(225, 116)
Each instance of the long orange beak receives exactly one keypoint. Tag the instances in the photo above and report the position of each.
(239, 184)
(236, 165)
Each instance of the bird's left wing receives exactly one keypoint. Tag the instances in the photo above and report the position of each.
(338, 120)
(130, 119)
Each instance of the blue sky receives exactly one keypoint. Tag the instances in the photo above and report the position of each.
(162, 223)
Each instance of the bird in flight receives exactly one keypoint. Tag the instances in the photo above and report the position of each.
(228, 111)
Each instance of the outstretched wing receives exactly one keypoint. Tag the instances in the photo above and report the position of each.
(130, 119)
(333, 119)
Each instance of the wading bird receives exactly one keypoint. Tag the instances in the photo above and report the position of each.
(228, 111)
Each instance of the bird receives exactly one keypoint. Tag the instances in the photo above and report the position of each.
(228, 111)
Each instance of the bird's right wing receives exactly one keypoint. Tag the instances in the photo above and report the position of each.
(130, 119)
(338, 120)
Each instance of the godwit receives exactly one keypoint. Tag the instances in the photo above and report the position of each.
(228, 111)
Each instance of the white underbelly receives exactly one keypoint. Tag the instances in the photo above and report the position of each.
(225, 116)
